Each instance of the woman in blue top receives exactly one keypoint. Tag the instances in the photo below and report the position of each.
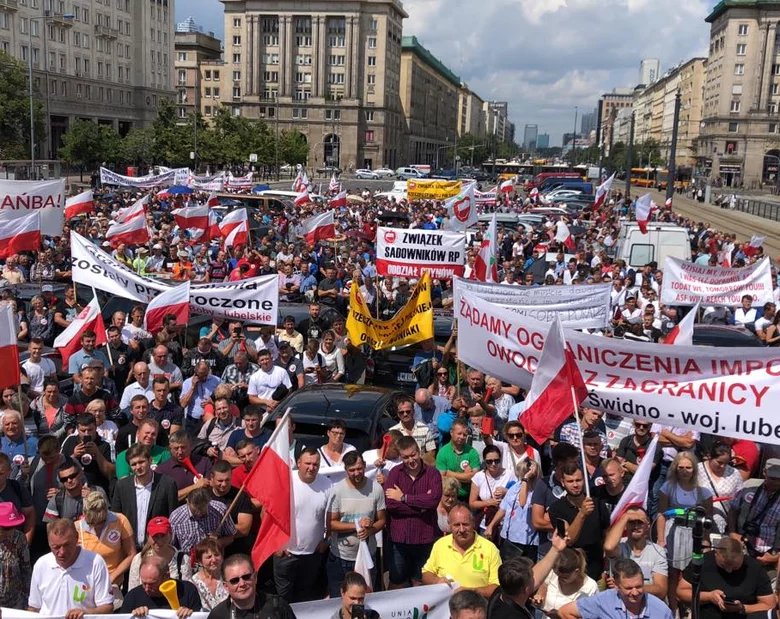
(518, 536)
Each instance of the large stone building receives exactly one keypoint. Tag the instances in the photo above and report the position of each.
(609, 105)
(195, 52)
(429, 97)
(739, 141)
(106, 61)
(331, 70)
(653, 108)
(471, 120)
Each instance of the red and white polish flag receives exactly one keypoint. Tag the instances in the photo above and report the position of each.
(644, 206)
(89, 319)
(231, 221)
(507, 186)
(682, 333)
(270, 483)
(80, 205)
(133, 232)
(462, 209)
(321, 226)
(549, 402)
(339, 200)
(302, 197)
(175, 301)
(239, 235)
(563, 235)
(9, 349)
(751, 248)
(138, 209)
(534, 193)
(20, 234)
(602, 191)
(635, 494)
(213, 200)
(334, 186)
(192, 217)
(485, 266)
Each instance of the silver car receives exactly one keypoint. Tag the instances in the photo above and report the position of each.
(366, 174)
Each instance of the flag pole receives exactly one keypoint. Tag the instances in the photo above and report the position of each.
(579, 438)
(108, 347)
(234, 502)
(21, 412)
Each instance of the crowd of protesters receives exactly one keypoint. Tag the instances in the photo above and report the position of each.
(120, 477)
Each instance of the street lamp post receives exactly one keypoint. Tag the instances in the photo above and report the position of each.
(629, 157)
(673, 151)
(32, 111)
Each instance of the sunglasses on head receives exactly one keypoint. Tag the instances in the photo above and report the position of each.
(245, 577)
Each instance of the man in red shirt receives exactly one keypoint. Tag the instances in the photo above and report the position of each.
(248, 453)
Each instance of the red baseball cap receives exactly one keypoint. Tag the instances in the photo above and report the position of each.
(158, 526)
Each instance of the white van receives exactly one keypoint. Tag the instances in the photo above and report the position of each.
(661, 241)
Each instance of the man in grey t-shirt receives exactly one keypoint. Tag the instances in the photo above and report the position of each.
(357, 513)
(68, 501)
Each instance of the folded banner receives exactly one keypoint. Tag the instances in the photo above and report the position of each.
(727, 391)
(20, 198)
(427, 602)
(254, 300)
(432, 189)
(170, 177)
(413, 324)
(578, 307)
(410, 253)
(687, 283)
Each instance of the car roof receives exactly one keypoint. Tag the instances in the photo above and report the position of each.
(355, 404)
(723, 335)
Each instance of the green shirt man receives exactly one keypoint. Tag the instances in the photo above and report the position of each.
(457, 458)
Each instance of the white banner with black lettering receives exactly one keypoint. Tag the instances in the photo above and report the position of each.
(171, 177)
(253, 300)
(408, 253)
(20, 198)
(688, 283)
(727, 391)
(427, 602)
(578, 307)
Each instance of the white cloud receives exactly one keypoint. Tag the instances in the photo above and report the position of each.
(543, 56)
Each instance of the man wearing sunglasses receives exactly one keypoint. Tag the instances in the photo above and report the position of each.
(244, 601)
(68, 500)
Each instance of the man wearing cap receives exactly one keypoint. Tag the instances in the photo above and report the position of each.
(754, 516)
(70, 581)
(144, 495)
(139, 264)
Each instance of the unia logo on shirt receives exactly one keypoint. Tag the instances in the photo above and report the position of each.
(80, 593)
(478, 563)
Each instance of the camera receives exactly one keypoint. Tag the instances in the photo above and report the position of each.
(236, 330)
(751, 529)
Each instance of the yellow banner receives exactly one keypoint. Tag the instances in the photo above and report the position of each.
(432, 190)
(413, 324)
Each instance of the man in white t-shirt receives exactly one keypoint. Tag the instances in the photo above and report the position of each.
(37, 367)
(264, 383)
(296, 568)
(69, 582)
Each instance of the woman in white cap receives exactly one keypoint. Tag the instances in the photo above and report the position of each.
(14, 559)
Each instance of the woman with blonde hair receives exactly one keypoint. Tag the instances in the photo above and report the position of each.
(449, 496)
(106, 429)
(567, 582)
(108, 534)
(680, 491)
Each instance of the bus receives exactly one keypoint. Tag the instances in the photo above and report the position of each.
(643, 177)
(503, 170)
(542, 176)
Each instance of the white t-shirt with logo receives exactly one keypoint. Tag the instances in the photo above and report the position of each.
(84, 585)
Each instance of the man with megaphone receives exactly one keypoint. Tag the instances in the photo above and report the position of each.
(158, 590)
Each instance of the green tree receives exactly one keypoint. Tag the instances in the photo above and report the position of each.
(87, 144)
(15, 110)
(137, 147)
(472, 149)
(293, 148)
(173, 136)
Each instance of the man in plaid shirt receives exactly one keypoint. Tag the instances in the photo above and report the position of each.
(198, 518)
(404, 406)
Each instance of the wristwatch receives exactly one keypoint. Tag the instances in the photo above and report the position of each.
(403, 498)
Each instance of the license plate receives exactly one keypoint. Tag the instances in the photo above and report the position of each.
(406, 377)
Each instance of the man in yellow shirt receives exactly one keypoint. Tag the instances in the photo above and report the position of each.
(463, 557)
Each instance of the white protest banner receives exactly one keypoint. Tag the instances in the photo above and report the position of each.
(687, 283)
(408, 253)
(253, 300)
(107, 177)
(579, 307)
(427, 602)
(727, 391)
(20, 198)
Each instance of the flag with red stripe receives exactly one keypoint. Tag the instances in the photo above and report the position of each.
(175, 301)
(133, 232)
(321, 226)
(20, 234)
(9, 349)
(636, 493)
(81, 204)
(682, 333)
(89, 319)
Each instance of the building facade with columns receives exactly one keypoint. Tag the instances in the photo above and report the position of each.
(110, 62)
(740, 129)
(328, 68)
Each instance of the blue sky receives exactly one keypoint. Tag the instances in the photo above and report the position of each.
(542, 56)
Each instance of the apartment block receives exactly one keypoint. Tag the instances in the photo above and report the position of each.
(470, 117)
(196, 53)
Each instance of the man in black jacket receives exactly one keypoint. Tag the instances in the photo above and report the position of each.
(159, 491)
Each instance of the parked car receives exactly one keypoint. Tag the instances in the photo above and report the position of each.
(366, 174)
(365, 411)
(724, 336)
(385, 173)
(404, 174)
(447, 175)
